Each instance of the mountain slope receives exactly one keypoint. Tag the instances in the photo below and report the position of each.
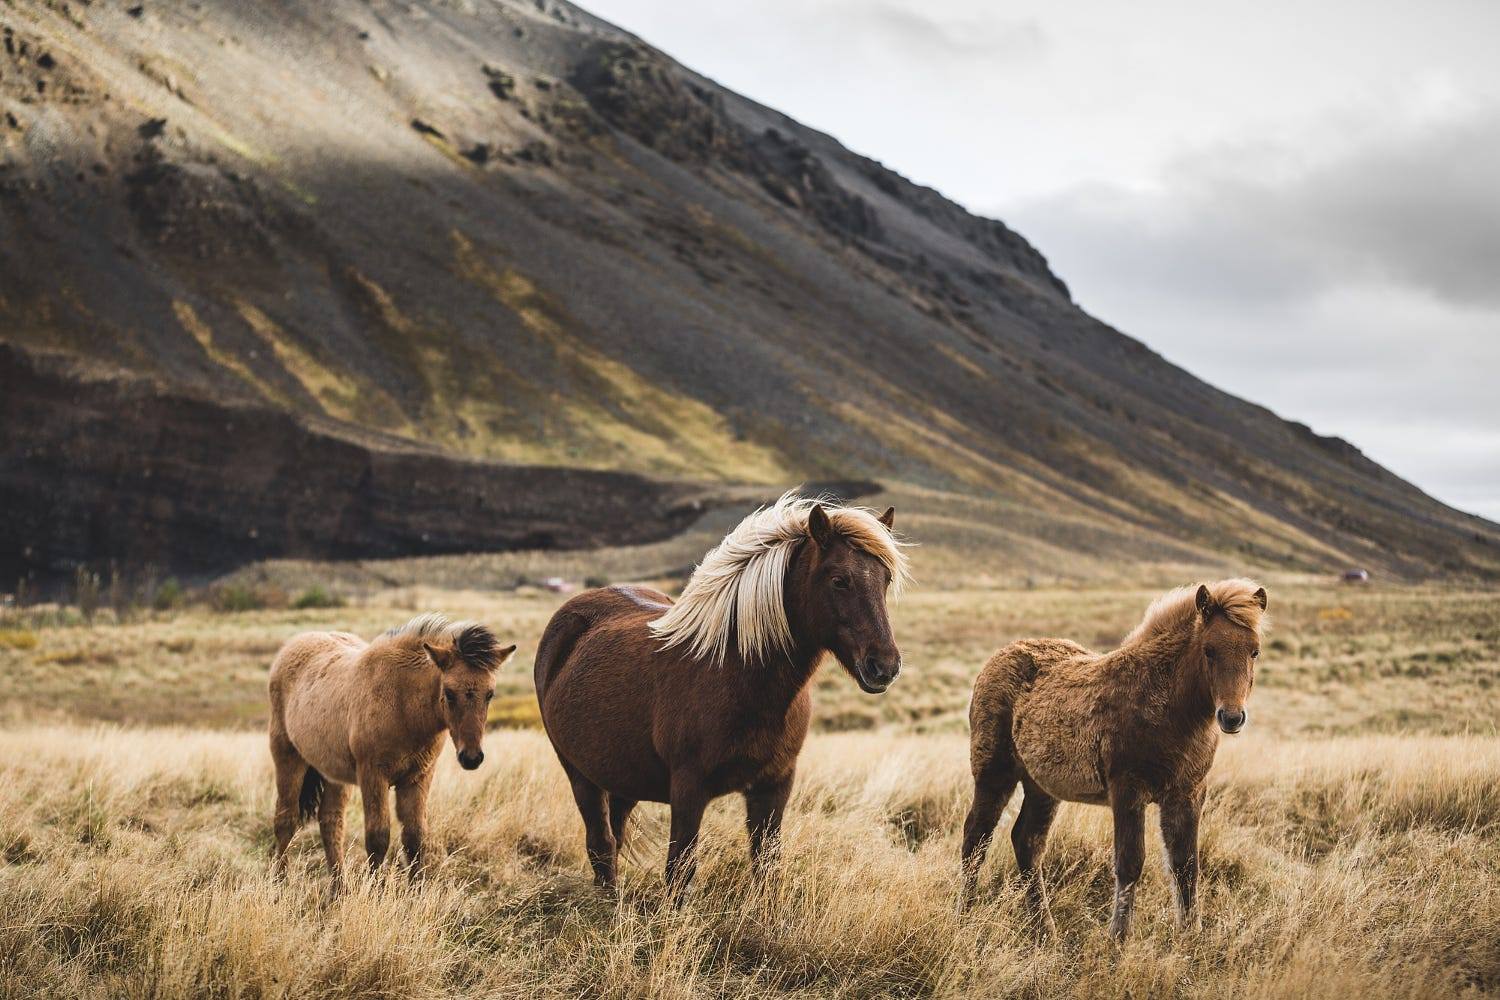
(510, 231)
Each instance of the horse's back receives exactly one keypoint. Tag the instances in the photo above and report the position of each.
(309, 650)
(578, 615)
(1013, 669)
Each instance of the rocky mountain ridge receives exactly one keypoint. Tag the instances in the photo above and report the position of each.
(509, 232)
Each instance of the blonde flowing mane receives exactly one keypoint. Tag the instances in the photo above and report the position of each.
(1177, 610)
(737, 588)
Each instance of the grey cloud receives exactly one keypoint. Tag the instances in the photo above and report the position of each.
(917, 31)
(1420, 209)
(1423, 209)
(1360, 294)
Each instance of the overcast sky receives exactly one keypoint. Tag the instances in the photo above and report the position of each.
(1299, 202)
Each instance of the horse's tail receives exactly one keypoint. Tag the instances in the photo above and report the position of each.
(312, 794)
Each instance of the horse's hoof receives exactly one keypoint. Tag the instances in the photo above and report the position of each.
(1189, 929)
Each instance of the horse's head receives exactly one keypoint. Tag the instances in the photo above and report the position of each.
(845, 603)
(468, 668)
(1230, 649)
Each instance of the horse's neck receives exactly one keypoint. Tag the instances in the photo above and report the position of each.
(781, 675)
(412, 690)
(1174, 661)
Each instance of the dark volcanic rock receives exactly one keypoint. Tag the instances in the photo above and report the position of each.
(200, 211)
(113, 468)
(789, 171)
(639, 92)
(643, 94)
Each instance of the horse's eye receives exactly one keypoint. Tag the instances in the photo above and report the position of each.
(841, 583)
(1254, 653)
(451, 697)
(489, 695)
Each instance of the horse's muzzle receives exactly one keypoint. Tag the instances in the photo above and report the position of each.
(470, 759)
(875, 674)
(1231, 721)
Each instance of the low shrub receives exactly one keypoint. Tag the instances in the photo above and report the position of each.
(317, 596)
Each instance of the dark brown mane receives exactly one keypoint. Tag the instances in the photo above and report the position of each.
(477, 645)
(474, 643)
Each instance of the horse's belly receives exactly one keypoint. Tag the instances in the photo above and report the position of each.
(623, 773)
(1062, 758)
(319, 729)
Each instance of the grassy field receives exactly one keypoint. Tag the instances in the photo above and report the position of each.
(1351, 842)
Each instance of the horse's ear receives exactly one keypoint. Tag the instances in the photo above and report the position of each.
(443, 658)
(1204, 601)
(889, 517)
(1260, 597)
(501, 655)
(820, 527)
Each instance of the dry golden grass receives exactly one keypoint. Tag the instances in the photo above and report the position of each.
(1351, 840)
(136, 866)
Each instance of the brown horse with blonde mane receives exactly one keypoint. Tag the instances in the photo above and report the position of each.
(346, 712)
(647, 700)
(1121, 729)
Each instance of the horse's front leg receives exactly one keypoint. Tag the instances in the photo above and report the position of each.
(411, 812)
(1179, 834)
(1130, 850)
(373, 789)
(765, 804)
(688, 799)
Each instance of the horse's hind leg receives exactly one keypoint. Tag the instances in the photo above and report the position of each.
(291, 771)
(331, 825)
(979, 826)
(993, 762)
(599, 837)
(1029, 838)
(619, 811)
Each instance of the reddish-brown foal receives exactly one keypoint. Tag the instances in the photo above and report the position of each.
(1121, 729)
(682, 703)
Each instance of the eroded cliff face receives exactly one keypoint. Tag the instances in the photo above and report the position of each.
(108, 467)
(509, 232)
